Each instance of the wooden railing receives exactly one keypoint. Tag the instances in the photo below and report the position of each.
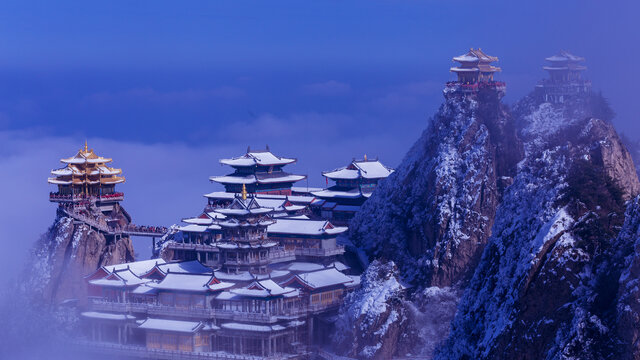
(101, 225)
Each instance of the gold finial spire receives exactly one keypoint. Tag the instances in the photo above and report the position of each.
(86, 148)
(365, 157)
(244, 192)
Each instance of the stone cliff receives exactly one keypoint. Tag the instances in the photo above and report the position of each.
(521, 213)
(71, 249)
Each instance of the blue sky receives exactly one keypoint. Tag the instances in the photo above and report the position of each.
(166, 88)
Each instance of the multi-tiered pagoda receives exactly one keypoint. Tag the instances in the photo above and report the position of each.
(354, 184)
(260, 172)
(86, 176)
(233, 238)
(565, 78)
(474, 72)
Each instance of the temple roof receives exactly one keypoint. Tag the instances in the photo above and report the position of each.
(563, 56)
(360, 169)
(190, 282)
(258, 178)
(119, 278)
(107, 316)
(253, 158)
(305, 227)
(85, 156)
(171, 325)
(475, 61)
(83, 165)
(475, 55)
(331, 193)
(264, 288)
(321, 279)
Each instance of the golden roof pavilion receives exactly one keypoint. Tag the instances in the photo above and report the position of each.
(85, 174)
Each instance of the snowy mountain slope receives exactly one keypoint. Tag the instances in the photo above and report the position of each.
(68, 252)
(628, 306)
(434, 214)
(543, 287)
(373, 322)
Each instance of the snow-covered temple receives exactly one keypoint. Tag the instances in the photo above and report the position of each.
(86, 175)
(254, 275)
(474, 72)
(354, 184)
(159, 309)
(260, 172)
(565, 78)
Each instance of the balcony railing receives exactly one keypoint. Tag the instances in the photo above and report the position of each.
(102, 305)
(197, 312)
(140, 351)
(338, 250)
(57, 197)
(475, 87)
(190, 246)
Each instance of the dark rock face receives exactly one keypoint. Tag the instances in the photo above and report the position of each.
(374, 322)
(546, 286)
(530, 206)
(434, 215)
(628, 307)
(71, 250)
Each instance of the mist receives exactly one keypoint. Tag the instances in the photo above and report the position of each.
(167, 89)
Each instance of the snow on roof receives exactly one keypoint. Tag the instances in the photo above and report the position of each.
(262, 288)
(360, 169)
(247, 276)
(119, 278)
(349, 194)
(324, 278)
(304, 266)
(192, 228)
(85, 156)
(220, 195)
(304, 227)
(251, 327)
(298, 217)
(564, 55)
(192, 266)
(466, 58)
(106, 316)
(171, 325)
(58, 182)
(301, 198)
(277, 179)
(139, 268)
(459, 69)
(229, 179)
(271, 203)
(372, 169)
(198, 221)
(263, 158)
(189, 282)
(304, 189)
(339, 266)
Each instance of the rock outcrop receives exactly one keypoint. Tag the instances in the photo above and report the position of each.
(434, 215)
(546, 286)
(71, 250)
(521, 213)
(374, 321)
(628, 306)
